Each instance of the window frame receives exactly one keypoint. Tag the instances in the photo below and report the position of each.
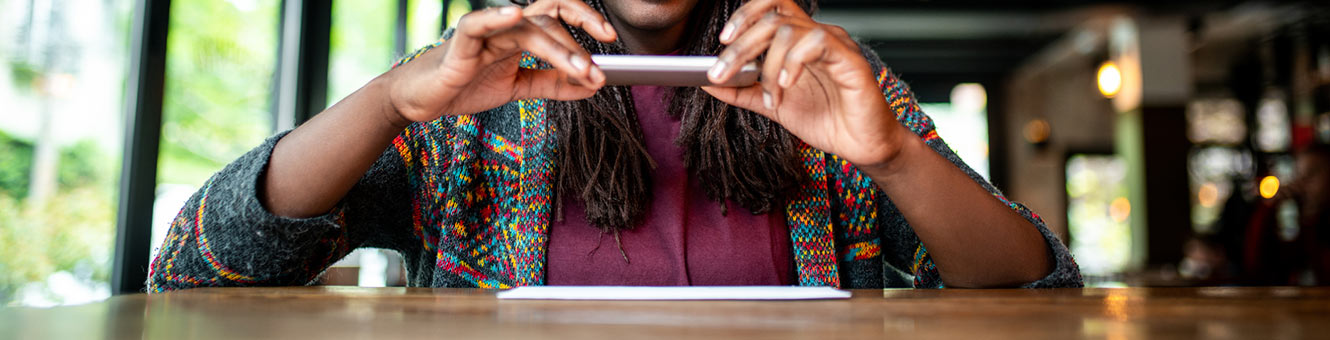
(300, 87)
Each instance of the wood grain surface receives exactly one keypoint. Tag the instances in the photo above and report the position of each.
(353, 312)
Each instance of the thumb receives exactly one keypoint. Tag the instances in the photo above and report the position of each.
(748, 98)
(554, 84)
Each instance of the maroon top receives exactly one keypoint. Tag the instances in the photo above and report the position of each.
(683, 239)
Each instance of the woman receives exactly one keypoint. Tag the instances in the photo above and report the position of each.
(485, 167)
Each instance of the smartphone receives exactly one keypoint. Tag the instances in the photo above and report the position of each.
(665, 70)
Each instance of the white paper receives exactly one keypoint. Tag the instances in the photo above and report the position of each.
(673, 293)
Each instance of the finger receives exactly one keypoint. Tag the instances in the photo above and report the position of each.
(473, 28)
(748, 47)
(750, 13)
(810, 49)
(577, 14)
(748, 98)
(556, 30)
(551, 84)
(838, 57)
(530, 38)
(775, 62)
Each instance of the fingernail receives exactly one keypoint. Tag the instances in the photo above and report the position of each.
(578, 63)
(608, 28)
(508, 10)
(717, 69)
(596, 75)
(766, 99)
(783, 79)
(727, 32)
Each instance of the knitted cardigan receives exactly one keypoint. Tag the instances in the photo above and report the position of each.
(467, 202)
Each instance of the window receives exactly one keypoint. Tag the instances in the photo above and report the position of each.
(1273, 131)
(1217, 173)
(363, 35)
(423, 21)
(1097, 214)
(963, 123)
(362, 44)
(1217, 166)
(362, 48)
(60, 62)
(220, 60)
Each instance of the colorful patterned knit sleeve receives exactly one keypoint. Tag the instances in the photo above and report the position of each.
(224, 236)
(906, 253)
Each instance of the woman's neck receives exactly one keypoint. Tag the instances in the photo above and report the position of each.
(649, 41)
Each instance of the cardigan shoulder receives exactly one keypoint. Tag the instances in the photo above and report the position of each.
(903, 251)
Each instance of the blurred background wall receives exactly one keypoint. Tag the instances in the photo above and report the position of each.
(1163, 141)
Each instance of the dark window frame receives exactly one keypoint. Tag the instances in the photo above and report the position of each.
(300, 89)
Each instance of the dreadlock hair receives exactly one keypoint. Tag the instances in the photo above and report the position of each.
(735, 154)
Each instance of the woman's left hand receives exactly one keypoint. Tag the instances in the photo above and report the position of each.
(817, 84)
(814, 82)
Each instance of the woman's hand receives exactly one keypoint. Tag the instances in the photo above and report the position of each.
(814, 82)
(818, 86)
(477, 69)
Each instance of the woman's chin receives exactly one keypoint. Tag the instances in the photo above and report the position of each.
(650, 15)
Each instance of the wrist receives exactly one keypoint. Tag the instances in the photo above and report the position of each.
(380, 89)
(909, 148)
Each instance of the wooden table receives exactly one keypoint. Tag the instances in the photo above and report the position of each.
(350, 312)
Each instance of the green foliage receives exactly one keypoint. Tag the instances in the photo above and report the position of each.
(23, 75)
(219, 71)
(71, 232)
(220, 64)
(15, 166)
(79, 166)
(361, 46)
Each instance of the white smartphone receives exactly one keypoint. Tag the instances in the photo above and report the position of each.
(666, 70)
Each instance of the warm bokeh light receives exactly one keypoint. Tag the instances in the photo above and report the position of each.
(1119, 209)
(1208, 195)
(1269, 186)
(1110, 79)
(1037, 131)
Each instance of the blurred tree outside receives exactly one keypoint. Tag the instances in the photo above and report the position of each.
(361, 45)
(49, 250)
(424, 20)
(61, 79)
(362, 38)
(220, 58)
(1098, 212)
(56, 250)
(66, 69)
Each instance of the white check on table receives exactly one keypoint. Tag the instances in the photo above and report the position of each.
(672, 293)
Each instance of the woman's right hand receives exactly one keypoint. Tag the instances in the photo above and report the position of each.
(477, 69)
